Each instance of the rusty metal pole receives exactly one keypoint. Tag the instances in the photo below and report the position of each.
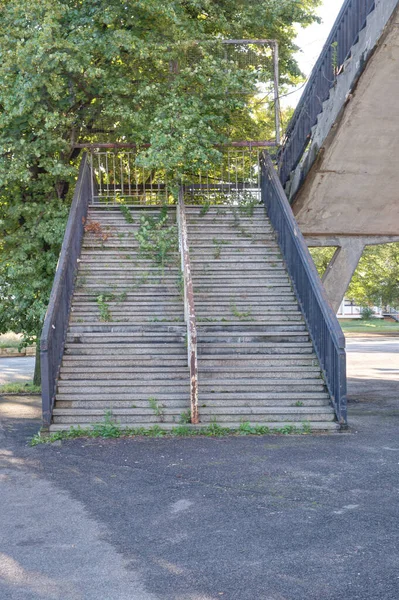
(276, 93)
(189, 309)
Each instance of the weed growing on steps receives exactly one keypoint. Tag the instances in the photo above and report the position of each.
(208, 320)
(247, 429)
(306, 427)
(121, 297)
(108, 428)
(204, 209)
(112, 297)
(157, 408)
(105, 313)
(218, 246)
(142, 280)
(242, 232)
(298, 403)
(164, 320)
(247, 206)
(111, 429)
(80, 282)
(241, 316)
(185, 417)
(126, 213)
(220, 242)
(157, 240)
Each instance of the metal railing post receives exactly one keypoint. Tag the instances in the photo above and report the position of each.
(189, 308)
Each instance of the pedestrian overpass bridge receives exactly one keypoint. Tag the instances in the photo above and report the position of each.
(339, 161)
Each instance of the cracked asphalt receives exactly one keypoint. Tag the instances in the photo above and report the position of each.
(239, 518)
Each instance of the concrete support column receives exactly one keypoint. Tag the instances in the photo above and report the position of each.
(339, 272)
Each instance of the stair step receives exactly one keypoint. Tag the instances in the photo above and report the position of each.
(109, 397)
(251, 415)
(128, 330)
(183, 403)
(292, 396)
(105, 387)
(240, 386)
(128, 319)
(255, 349)
(244, 326)
(161, 350)
(251, 362)
(243, 337)
(246, 372)
(123, 375)
(135, 420)
(323, 426)
(143, 295)
(300, 413)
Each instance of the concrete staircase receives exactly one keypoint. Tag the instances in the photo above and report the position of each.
(256, 361)
(126, 344)
(125, 349)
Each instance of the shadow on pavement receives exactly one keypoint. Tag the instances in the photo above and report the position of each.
(240, 518)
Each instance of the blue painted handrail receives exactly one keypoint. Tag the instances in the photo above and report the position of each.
(323, 326)
(55, 326)
(350, 21)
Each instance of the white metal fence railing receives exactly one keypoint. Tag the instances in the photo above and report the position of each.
(118, 178)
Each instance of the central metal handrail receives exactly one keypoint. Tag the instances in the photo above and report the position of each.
(189, 307)
(324, 329)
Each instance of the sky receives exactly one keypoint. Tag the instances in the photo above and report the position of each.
(311, 41)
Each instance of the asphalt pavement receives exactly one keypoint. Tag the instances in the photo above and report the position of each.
(238, 518)
(16, 369)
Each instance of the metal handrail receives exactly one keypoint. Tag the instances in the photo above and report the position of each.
(322, 324)
(55, 326)
(349, 23)
(189, 307)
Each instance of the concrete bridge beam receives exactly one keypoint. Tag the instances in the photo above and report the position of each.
(339, 272)
(343, 264)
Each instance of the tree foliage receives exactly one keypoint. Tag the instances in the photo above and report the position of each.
(152, 71)
(376, 279)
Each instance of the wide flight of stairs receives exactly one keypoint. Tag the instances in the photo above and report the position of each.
(126, 347)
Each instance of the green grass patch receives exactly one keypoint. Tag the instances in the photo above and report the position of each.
(10, 340)
(111, 429)
(20, 388)
(9, 344)
(368, 326)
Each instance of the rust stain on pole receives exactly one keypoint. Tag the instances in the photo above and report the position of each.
(189, 310)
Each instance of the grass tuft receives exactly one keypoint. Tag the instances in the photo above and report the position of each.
(20, 388)
(109, 428)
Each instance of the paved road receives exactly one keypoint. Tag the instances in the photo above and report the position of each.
(373, 370)
(16, 369)
(269, 518)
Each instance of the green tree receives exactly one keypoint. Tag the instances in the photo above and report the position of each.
(376, 279)
(322, 257)
(153, 71)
